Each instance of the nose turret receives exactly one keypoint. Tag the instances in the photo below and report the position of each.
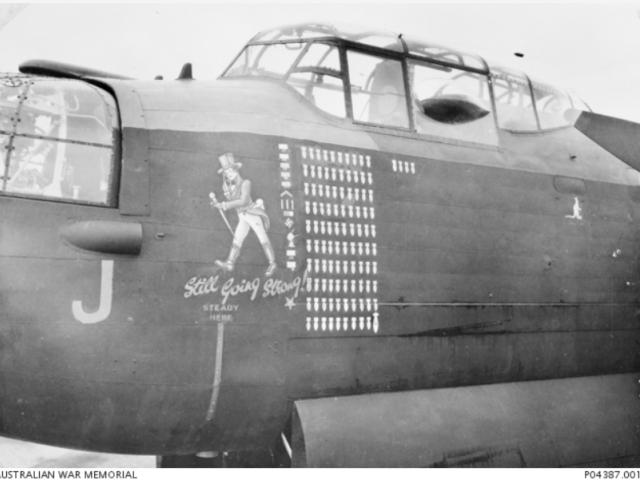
(59, 139)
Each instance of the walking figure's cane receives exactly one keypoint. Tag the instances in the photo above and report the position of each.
(212, 196)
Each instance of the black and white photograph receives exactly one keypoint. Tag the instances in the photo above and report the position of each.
(304, 235)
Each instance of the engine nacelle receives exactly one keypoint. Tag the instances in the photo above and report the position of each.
(587, 421)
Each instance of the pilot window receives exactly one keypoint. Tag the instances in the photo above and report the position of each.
(313, 69)
(451, 103)
(377, 90)
(57, 139)
(317, 76)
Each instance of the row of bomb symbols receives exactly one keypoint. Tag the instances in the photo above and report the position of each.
(323, 171)
(334, 157)
(337, 174)
(342, 304)
(341, 248)
(340, 228)
(338, 210)
(403, 167)
(341, 267)
(351, 194)
(337, 285)
(343, 323)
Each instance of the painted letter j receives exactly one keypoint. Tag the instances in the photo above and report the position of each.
(106, 296)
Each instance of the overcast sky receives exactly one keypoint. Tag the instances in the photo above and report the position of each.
(591, 49)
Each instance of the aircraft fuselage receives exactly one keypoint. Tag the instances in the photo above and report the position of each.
(403, 263)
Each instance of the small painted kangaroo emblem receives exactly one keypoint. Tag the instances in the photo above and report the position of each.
(576, 211)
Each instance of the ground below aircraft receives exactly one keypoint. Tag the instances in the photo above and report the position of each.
(353, 249)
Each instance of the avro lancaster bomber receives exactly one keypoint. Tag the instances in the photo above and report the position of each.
(354, 248)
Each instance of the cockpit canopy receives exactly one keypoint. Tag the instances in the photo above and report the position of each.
(315, 31)
(388, 80)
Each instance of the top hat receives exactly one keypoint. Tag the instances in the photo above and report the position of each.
(227, 162)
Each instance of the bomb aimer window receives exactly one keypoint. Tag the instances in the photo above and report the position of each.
(57, 140)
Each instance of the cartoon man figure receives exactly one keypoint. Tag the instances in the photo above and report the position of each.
(251, 215)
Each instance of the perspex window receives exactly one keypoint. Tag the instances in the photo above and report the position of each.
(377, 90)
(266, 60)
(57, 140)
(318, 77)
(313, 69)
(451, 103)
(551, 104)
(514, 105)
